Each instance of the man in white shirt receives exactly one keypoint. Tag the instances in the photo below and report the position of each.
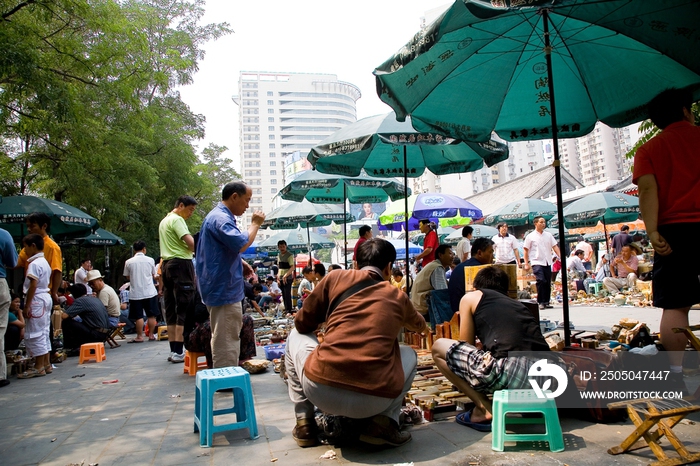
(587, 252)
(505, 246)
(106, 294)
(81, 274)
(537, 250)
(464, 247)
(140, 271)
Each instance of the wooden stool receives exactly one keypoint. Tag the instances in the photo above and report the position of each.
(118, 331)
(92, 352)
(664, 415)
(191, 364)
(162, 333)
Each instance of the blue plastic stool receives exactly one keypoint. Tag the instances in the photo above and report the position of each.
(524, 401)
(207, 383)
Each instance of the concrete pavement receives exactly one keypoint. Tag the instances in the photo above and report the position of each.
(146, 418)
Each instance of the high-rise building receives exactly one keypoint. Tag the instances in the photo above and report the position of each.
(280, 113)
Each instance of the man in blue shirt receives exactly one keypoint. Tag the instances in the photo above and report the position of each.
(8, 260)
(482, 254)
(220, 269)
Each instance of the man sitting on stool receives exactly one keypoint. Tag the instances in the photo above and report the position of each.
(93, 326)
(358, 370)
(623, 271)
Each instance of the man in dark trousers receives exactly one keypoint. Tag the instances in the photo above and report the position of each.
(667, 171)
(94, 320)
(482, 254)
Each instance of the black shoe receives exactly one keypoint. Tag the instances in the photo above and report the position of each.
(548, 306)
(543, 307)
(4, 382)
(384, 431)
(304, 433)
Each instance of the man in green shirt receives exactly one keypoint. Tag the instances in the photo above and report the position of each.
(178, 286)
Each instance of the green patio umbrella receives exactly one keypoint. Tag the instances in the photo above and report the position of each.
(306, 215)
(298, 240)
(100, 237)
(385, 148)
(607, 208)
(65, 219)
(485, 66)
(323, 188)
(522, 212)
(480, 231)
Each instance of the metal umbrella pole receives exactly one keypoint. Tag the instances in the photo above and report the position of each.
(557, 178)
(405, 204)
(345, 226)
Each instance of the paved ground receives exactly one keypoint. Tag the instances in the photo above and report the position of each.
(147, 417)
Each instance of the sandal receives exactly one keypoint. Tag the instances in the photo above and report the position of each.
(465, 420)
(31, 373)
(48, 369)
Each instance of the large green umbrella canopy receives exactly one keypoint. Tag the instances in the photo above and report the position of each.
(377, 144)
(323, 188)
(608, 207)
(482, 66)
(298, 240)
(522, 212)
(100, 237)
(65, 220)
(306, 214)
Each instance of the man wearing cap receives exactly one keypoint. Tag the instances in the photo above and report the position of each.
(106, 295)
(505, 246)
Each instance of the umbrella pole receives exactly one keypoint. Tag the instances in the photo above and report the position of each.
(345, 225)
(605, 232)
(308, 245)
(557, 178)
(405, 217)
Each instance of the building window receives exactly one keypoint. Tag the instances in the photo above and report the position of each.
(270, 128)
(272, 146)
(273, 163)
(273, 190)
(271, 137)
(270, 110)
(272, 155)
(273, 181)
(273, 172)
(270, 93)
(270, 102)
(270, 119)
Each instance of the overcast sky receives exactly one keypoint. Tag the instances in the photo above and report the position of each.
(348, 39)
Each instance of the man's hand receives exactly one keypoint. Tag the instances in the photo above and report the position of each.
(526, 266)
(659, 243)
(247, 270)
(258, 218)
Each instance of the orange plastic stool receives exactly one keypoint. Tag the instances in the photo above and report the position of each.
(92, 352)
(191, 364)
(162, 333)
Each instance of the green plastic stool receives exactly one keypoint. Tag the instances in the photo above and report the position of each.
(524, 401)
(595, 287)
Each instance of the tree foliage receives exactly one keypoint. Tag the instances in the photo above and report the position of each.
(89, 114)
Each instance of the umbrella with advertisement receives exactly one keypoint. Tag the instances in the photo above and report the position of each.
(485, 66)
(522, 212)
(386, 148)
(435, 207)
(322, 188)
(65, 220)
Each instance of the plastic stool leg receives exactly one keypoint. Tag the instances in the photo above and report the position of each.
(554, 433)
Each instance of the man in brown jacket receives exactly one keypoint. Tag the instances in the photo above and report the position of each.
(359, 370)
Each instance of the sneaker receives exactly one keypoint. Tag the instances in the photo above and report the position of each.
(177, 357)
(384, 431)
(304, 433)
(543, 307)
(170, 356)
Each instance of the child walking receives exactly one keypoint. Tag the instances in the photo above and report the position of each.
(37, 307)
